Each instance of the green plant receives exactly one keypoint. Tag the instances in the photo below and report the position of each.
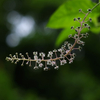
(62, 55)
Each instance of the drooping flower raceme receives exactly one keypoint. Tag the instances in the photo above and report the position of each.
(57, 57)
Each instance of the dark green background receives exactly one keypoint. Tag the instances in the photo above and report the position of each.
(78, 81)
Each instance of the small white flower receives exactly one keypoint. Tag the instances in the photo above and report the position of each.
(73, 55)
(35, 57)
(80, 48)
(62, 55)
(57, 67)
(50, 54)
(76, 36)
(53, 63)
(69, 45)
(38, 61)
(63, 62)
(42, 54)
(35, 53)
(71, 60)
(67, 51)
(60, 50)
(14, 56)
(46, 68)
(27, 63)
(40, 65)
(49, 62)
(36, 67)
(54, 50)
(63, 49)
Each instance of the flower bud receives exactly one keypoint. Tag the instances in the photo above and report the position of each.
(65, 43)
(75, 19)
(80, 10)
(57, 67)
(78, 18)
(72, 27)
(80, 48)
(70, 36)
(78, 27)
(85, 25)
(89, 27)
(90, 19)
(89, 10)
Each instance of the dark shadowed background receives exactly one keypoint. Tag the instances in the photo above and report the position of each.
(23, 29)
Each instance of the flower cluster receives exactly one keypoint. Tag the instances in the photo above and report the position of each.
(59, 56)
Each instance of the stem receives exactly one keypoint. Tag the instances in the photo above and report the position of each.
(95, 6)
(91, 10)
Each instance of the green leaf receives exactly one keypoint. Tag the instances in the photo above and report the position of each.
(96, 30)
(63, 16)
(63, 36)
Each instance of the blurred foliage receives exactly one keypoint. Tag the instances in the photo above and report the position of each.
(78, 81)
